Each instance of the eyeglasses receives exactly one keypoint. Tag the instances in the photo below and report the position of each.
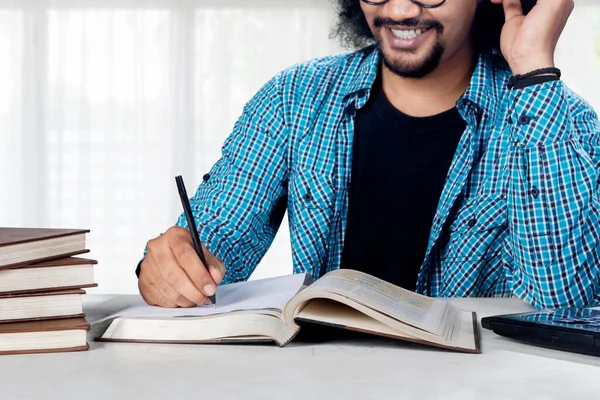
(421, 3)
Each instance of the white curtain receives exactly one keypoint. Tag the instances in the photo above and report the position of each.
(102, 103)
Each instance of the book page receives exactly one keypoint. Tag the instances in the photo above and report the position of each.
(341, 315)
(423, 312)
(261, 294)
(330, 311)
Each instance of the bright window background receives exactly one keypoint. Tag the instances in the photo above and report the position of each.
(103, 102)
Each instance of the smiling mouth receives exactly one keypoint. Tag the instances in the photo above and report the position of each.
(408, 33)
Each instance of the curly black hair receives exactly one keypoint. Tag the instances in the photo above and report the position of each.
(352, 29)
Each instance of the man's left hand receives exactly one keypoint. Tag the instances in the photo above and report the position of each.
(528, 41)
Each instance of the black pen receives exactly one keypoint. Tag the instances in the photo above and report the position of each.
(192, 227)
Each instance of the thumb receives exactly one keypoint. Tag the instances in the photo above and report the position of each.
(512, 9)
(215, 274)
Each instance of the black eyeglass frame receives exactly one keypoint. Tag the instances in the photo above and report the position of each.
(382, 2)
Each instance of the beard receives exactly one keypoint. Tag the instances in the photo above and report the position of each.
(417, 69)
(399, 61)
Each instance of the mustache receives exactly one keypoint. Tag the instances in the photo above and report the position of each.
(408, 23)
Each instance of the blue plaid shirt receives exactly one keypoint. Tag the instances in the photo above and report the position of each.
(519, 214)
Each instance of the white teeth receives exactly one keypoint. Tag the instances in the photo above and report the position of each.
(408, 34)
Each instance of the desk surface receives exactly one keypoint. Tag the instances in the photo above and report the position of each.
(361, 369)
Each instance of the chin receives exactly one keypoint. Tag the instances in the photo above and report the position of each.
(409, 64)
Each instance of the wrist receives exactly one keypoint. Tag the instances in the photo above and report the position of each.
(516, 81)
(535, 80)
(525, 67)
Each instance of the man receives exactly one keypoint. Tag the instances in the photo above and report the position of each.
(444, 159)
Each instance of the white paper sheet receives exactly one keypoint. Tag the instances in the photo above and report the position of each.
(270, 293)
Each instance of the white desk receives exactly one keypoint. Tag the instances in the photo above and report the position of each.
(372, 369)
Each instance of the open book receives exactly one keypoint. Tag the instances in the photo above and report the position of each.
(270, 310)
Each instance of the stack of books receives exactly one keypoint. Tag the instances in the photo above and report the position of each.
(41, 289)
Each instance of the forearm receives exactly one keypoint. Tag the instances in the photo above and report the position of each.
(234, 213)
(237, 207)
(553, 198)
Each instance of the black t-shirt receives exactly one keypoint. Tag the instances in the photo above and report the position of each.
(399, 165)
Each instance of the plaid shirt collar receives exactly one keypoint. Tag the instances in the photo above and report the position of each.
(481, 92)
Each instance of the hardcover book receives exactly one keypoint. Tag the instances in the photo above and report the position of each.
(271, 310)
(21, 246)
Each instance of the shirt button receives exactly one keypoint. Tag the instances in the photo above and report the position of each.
(472, 222)
(535, 192)
(206, 177)
(524, 119)
(308, 196)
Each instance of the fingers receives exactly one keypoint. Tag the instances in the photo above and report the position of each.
(161, 294)
(214, 261)
(512, 9)
(196, 272)
(173, 277)
(170, 295)
(152, 296)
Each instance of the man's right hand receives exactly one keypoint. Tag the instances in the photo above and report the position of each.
(172, 275)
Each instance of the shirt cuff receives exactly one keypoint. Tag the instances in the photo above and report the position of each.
(539, 115)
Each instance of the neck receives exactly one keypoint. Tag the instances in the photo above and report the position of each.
(434, 93)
